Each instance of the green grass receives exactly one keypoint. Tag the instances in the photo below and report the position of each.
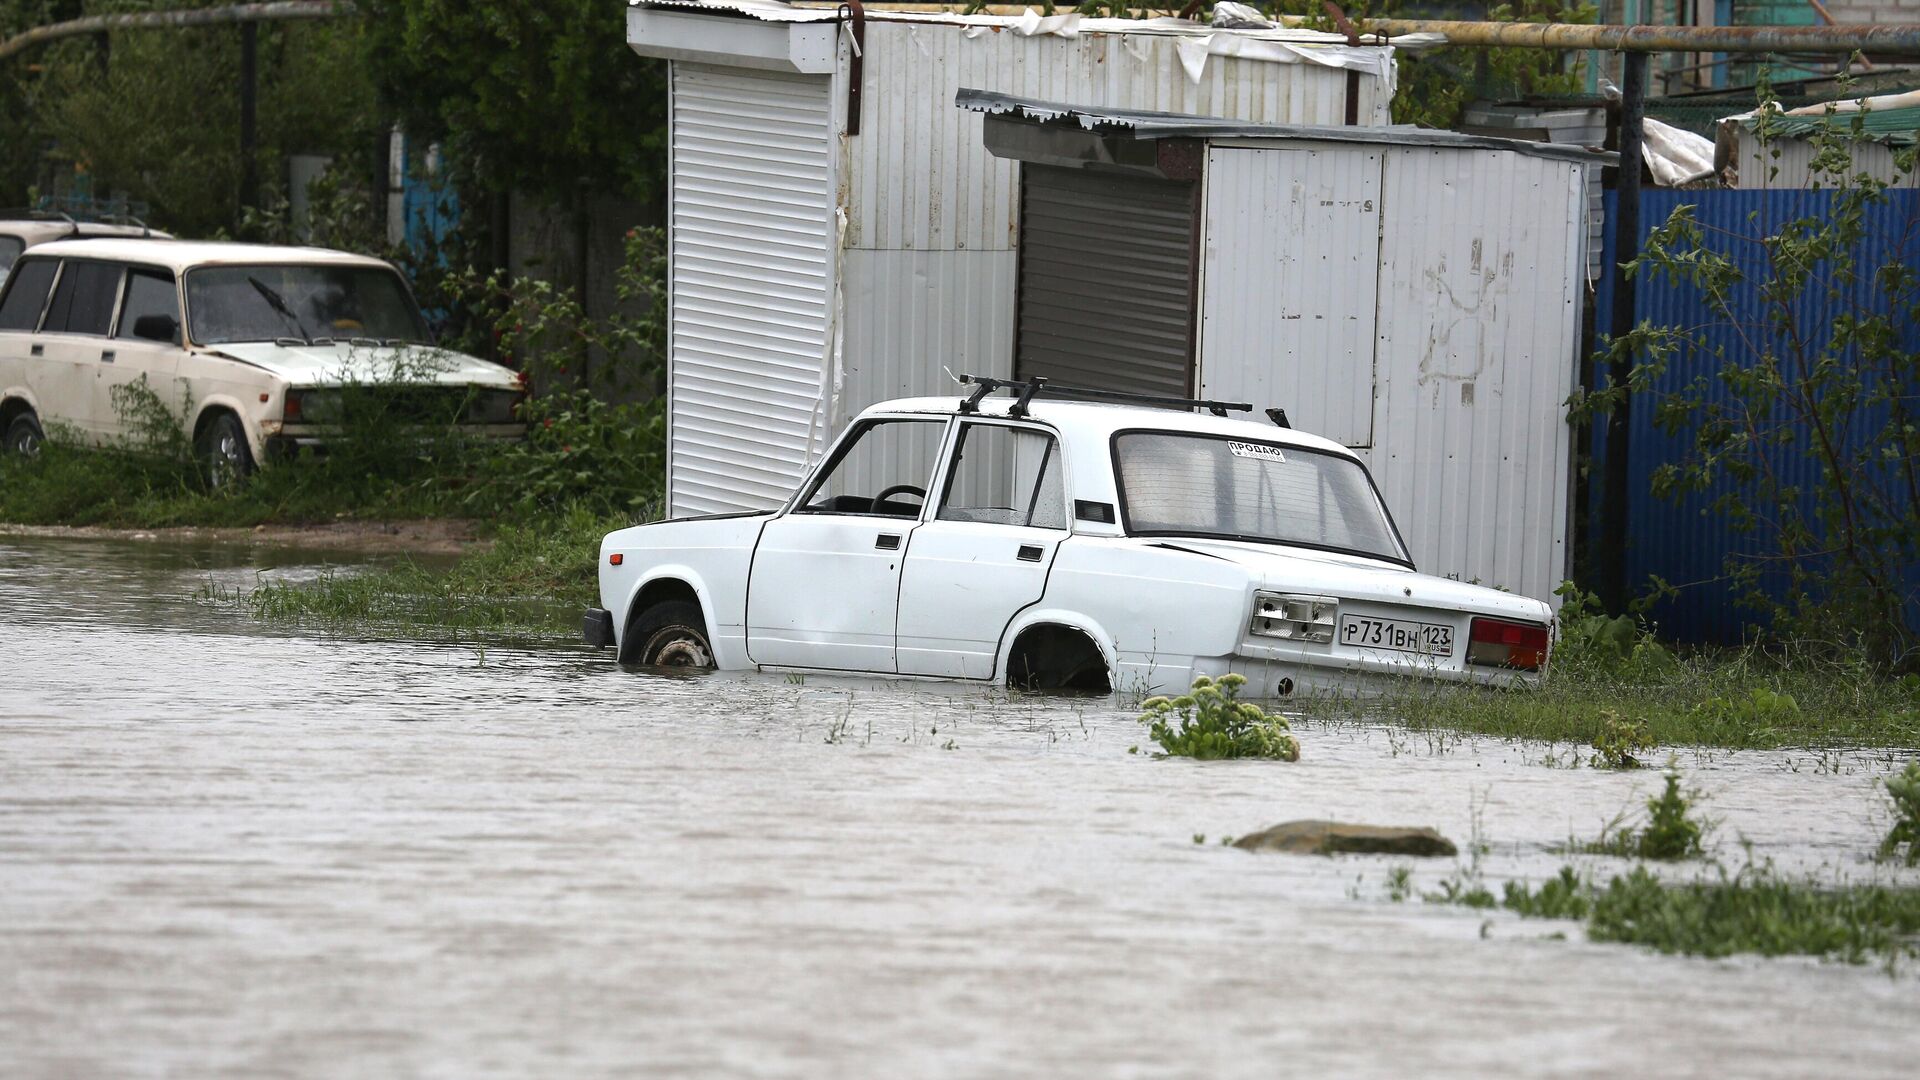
(533, 582)
(1755, 911)
(1738, 699)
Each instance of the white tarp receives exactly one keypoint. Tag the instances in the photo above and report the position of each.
(1674, 155)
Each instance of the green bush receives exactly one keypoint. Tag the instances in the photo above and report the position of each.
(1208, 724)
(1904, 788)
(1619, 738)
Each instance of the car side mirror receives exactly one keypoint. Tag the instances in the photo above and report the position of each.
(157, 328)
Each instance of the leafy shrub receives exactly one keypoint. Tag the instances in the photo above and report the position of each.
(1671, 831)
(1619, 738)
(1564, 896)
(1212, 725)
(1904, 788)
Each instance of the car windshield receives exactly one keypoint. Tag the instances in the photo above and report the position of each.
(270, 302)
(10, 249)
(1230, 489)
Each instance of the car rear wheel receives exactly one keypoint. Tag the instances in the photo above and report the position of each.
(24, 436)
(225, 453)
(671, 634)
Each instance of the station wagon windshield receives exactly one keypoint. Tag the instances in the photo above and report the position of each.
(311, 303)
(1229, 489)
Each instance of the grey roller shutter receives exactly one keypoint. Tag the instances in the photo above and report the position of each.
(1106, 290)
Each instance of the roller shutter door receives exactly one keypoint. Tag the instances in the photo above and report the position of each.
(751, 173)
(1106, 289)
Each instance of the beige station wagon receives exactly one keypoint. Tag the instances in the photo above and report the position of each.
(257, 342)
(20, 230)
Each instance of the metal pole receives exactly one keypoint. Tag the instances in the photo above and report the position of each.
(1903, 38)
(240, 13)
(1626, 247)
(249, 133)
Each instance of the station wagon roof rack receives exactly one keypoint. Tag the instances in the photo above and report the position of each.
(1037, 386)
(32, 213)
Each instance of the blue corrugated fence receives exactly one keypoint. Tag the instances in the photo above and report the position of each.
(1686, 542)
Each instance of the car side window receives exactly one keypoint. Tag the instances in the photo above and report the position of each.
(10, 249)
(26, 294)
(151, 310)
(883, 469)
(1005, 475)
(83, 300)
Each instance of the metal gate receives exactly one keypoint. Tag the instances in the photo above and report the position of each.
(1106, 290)
(752, 195)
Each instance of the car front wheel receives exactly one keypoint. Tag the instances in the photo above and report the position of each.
(671, 634)
(24, 436)
(225, 453)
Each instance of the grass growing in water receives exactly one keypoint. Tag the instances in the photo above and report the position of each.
(533, 581)
(1753, 911)
(1612, 686)
(1212, 725)
(1671, 832)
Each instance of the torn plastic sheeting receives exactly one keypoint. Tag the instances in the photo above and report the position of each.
(1674, 155)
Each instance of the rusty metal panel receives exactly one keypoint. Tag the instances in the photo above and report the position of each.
(1291, 268)
(751, 175)
(1481, 266)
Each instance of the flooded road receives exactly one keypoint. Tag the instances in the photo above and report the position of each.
(235, 850)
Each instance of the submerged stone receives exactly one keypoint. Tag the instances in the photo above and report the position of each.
(1341, 838)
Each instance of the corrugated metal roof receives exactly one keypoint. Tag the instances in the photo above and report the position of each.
(1159, 125)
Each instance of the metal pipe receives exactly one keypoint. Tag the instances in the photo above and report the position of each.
(1615, 588)
(1901, 38)
(236, 13)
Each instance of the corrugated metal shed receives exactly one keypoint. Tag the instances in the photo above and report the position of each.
(1413, 294)
(923, 220)
(1685, 542)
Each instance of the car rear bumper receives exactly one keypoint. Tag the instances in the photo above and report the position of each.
(597, 627)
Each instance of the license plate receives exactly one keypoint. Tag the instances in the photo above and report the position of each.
(1399, 635)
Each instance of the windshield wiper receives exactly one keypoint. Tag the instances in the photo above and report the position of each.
(279, 304)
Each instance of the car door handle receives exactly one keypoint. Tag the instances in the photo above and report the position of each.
(37, 350)
(888, 542)
(1029, 553)
(107, 357)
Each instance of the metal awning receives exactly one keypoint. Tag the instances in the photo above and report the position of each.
(1140, 125)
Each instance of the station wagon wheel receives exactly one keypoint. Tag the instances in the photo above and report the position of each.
(671, 634)
(24, 436)
(224, 450)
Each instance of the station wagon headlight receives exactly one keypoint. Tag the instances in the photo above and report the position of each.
(311, 406)
(1294, 617)
(494, 407)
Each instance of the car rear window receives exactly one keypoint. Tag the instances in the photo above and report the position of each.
(83, 301)
(26, 294)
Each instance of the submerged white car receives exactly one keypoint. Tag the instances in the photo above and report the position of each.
(1064, 544)
(262, 346)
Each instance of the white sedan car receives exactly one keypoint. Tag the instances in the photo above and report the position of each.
(263, 346)
(1064, 544)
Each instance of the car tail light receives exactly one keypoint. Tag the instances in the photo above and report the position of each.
(1499, 643)
(1292, 617)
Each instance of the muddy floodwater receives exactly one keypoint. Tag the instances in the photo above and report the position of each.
(230, 849)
